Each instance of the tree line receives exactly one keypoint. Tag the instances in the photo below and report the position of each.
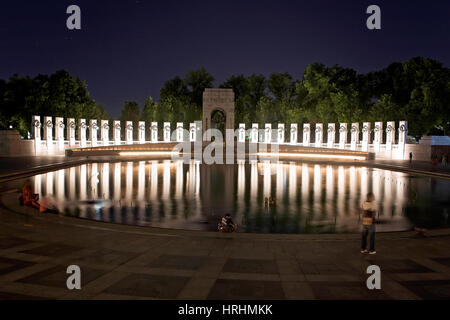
(417, 90)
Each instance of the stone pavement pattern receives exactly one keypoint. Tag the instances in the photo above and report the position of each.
(124, 262)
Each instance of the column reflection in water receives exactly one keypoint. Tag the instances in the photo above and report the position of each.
(364, 184)
(153, 176)
(329, 189)
(241, 188)
(253, 184)
(105, 181)
(267, 179)
(141, 192)
(72, 184)
(376, 188)
(292, 187)
(305, 186)
(49, 184)
(83, 187)
(128, 200)
(341, 191)
(317, 188)
(179, 187)
(165, 198)
(38, 185)
(388, 196)
(60, 189)
(117, 191)
(353, 191)
(94, 181)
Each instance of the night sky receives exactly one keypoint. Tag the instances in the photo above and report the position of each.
(127, 49)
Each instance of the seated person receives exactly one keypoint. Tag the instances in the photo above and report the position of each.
(28, 198)
(227, 224)
(48, 206)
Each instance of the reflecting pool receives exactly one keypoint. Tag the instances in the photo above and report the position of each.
(310, 198)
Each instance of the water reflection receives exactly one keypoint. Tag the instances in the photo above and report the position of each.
(310, 198)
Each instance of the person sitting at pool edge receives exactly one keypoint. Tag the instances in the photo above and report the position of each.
(227, 224)
(28, 198)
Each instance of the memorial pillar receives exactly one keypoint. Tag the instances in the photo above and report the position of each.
(343, 132)
(306, 134)
(319, 135)
(331, 135)
(294, 133)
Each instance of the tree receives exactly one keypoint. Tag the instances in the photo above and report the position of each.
(197, 81)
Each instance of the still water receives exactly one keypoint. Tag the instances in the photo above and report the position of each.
(310, 198)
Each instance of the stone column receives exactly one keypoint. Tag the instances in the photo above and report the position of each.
(319, 135)
(355, 135)
(104, 133)
(71, 126)
(192, 132)
(343, 131)
(59, 132)
(402, 136)
(167, 132)
(390, 135)
(268, 133)
(154, 132)
(117, 129)
(241, 132)
(82, 132)
(306, 134)
(48, 131)
(294, 133)
(378, 136)
(93, 132)
(331, 138)
(281, 133)
(255, 133)
(180, 132)
(141, 133)
(36, 127)
(366, 136)
(129, 132)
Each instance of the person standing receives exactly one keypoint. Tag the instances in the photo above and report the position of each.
(410, 157)
(368, 212)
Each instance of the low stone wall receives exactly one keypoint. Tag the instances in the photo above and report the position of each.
(12, 145)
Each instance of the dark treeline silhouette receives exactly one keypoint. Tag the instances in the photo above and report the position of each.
(417, 90)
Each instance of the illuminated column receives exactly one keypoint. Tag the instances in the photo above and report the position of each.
(294, 133)
(390, 135)
(71, 131)
(48, 133)
(402, 136)
(342, 135)
(306, 134)
(241, 132)
(331, 135)
(180, 133)
(366, 136)
(129, 132)
(192, 132)
(355, 135)
(93, 132)
(141, 132)
(167, 132)
(255, 134)
(82, 132)
(36, 125)
(117, 128)
(105, 132)
(378, 136)
(281, 133)
(268, 133)
(154, 132)
(59, 132)
(319, 135)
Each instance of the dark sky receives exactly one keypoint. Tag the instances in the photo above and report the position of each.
(127, 49)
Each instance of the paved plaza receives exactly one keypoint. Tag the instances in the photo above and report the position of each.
(126, 262)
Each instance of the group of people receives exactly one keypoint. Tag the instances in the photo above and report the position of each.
(270, 202)
(30, 199)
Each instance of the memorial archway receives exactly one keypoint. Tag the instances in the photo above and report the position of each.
(216, 102)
